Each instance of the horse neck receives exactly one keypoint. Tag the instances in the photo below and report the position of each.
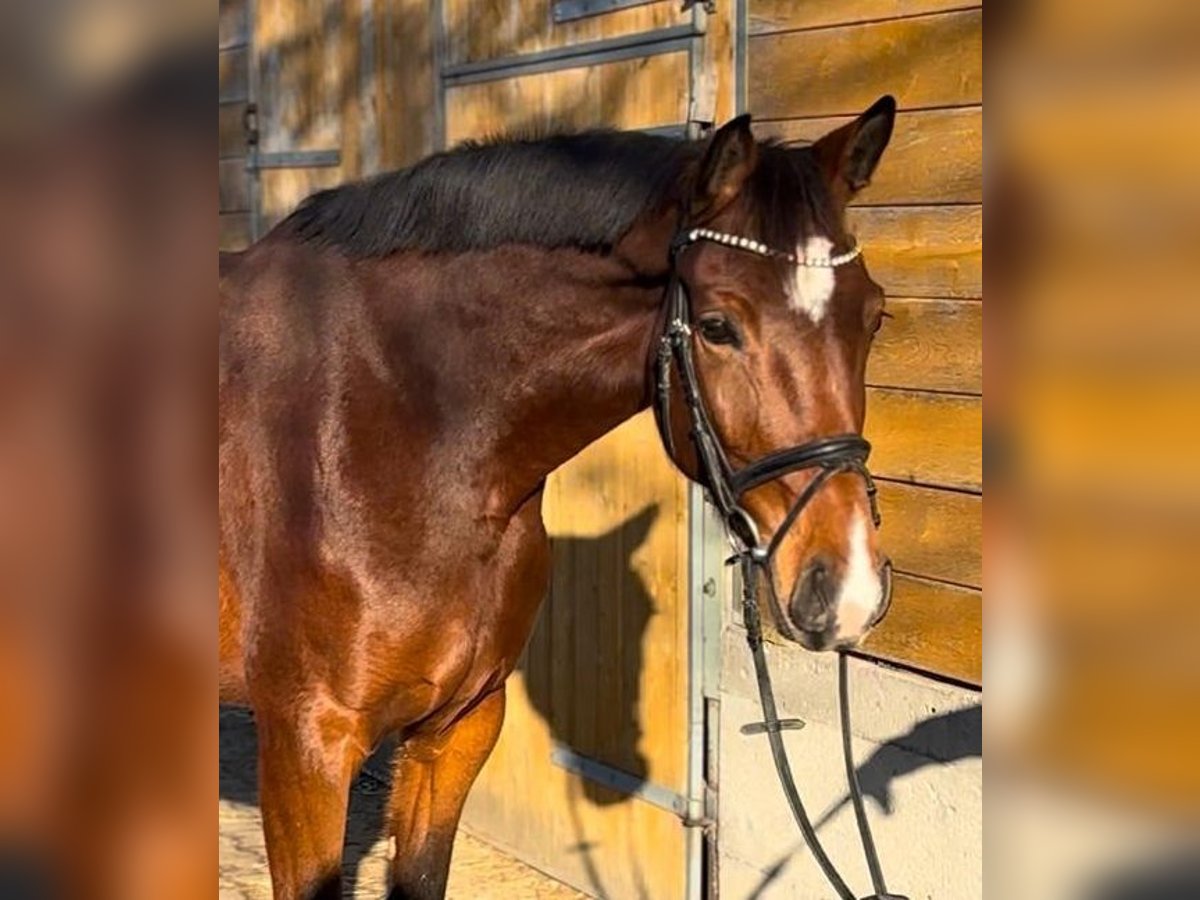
(570, 356)
(523, 356)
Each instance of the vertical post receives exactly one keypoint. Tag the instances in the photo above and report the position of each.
(702, 86)
(253, 187)
(741, 33)
(697, 598)
(437, 8)
(709, 592)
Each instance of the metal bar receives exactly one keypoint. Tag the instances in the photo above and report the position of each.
(646, 43)
(671, 131)
(719, 594)
(439, 75)
(570, 10)
(368, 120)
(299, 159)
(621, 782)
(741, 29)
(253, 88)
(712, 794)
(702, 92)
(698, 597)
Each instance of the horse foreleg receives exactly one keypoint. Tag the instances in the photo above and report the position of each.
(430, 786)
(306, 762)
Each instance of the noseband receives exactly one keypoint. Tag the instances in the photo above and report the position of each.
(727, 485)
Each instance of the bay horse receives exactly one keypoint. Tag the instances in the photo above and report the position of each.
(402, 363)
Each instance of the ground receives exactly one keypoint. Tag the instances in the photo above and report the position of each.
(479, 871)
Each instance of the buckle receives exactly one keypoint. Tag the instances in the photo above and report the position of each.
(679, 328)
(776, 726)
(740, 523)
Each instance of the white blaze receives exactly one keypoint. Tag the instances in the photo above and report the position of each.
(862, 589)
(812, 286)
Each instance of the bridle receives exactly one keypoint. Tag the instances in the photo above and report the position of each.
(726, 487)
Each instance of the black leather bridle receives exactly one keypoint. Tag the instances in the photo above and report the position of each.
(726, 486)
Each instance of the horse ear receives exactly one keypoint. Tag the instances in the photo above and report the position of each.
(635, 531)
(848, 156)
(728, 161)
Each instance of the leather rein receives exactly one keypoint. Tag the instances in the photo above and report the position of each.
(726, 485)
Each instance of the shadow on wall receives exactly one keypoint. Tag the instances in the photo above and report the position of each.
(583, 669)
(583, 665)
(938, 740)
(945, 738)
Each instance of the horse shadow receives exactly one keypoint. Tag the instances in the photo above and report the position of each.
(938, 740)
(582, 668)
(583, 665)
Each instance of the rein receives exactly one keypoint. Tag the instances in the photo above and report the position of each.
(829, 456)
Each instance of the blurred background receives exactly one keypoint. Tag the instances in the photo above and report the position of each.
(1092, 529)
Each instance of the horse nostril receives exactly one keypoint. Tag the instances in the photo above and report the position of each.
(819, 576)
(812, 597)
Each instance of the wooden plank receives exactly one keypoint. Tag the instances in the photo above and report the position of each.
(933, 439)
(490, 29)
(633, 93)
(233, 74)
(231, 134)
(305, 81)
(935, 156)
(934, 627)
(283, 189)
(233, 186)
(933, 533)
(407, 83)
(934, 345)
(234, 230)
(922, 251)
(232, 24)
(934, 60)
(766, 16)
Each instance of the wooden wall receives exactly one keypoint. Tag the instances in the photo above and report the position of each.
(356, 79)
(812, 65)
(479, 30)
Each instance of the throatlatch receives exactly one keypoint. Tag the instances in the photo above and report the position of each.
(829, 456)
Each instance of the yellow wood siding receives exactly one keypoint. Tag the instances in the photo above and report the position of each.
(479, 30)
(639, 93)
(935, 155)
(928, 61)
(813, 66)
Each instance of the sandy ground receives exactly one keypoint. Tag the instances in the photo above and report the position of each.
(478, 871)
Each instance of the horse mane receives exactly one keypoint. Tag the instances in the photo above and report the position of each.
(583, 190)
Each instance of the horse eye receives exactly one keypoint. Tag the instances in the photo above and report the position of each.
(719, 330)
(879, 319)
